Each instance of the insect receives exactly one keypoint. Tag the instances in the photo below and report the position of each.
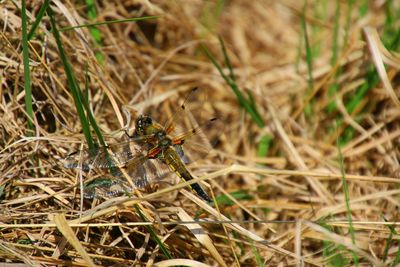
(150, 153)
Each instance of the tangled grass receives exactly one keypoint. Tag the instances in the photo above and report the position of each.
(307, 164)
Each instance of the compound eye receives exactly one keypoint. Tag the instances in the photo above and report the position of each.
(139, 119)
(139, 125)
(148, 121)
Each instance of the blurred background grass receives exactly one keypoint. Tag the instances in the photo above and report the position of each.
(308, 93)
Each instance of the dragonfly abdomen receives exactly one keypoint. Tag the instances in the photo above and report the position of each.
(171, 159)
(200, 191)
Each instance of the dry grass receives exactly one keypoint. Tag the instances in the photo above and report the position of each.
(287, 207)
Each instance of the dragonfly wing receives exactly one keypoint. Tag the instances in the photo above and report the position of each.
(197, 142)
(147, 171)
(194, 125)
(141, 170)
(122, 179)
(115, 158)
(113, 155)
(106, 187)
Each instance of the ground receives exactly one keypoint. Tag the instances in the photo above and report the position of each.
(301, 160)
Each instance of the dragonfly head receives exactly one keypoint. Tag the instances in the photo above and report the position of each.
(142, 123)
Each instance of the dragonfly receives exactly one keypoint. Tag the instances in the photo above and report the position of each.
(151, 153)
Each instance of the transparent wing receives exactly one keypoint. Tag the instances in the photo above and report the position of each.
(106, 187)
(114, 155)
(194, 125)
(124, 165)
(197, 142)
(147, 171)
(113, 158)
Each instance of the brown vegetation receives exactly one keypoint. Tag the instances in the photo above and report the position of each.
(286, 207)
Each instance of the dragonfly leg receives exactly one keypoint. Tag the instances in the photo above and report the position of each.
(128, 135)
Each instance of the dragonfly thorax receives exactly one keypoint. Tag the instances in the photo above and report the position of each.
(163, 140)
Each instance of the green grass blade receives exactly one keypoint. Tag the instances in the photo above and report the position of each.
(336, 27)
(350, 4)
(391, 36)
(372, 80)
(397, 258)
(391, 39)
(39, 17)
(238, 195)
(89, 115)
(108, 22)
(211, 13)
(27, 73)
(2, 191)
(320, 12)
(84, 100)
(226, 59)
(256, 253)
(74, 87)
(299, 51)
(264, 146)
(309, 61)
(395, 43)
(331, 252)
(333, 88)
(96, 34)
(245, 103)
(252, 102)
(335, 51)
(347, 199)
(224, 200)
(309, 54)
(363, 9)
(389, 19)
(389, 240)
(153, 234)
(86, 91)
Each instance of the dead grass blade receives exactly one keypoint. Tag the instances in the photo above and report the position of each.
(66, 230)
(374, 45)
(180, 262)
(200, 234)
(275, 173)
